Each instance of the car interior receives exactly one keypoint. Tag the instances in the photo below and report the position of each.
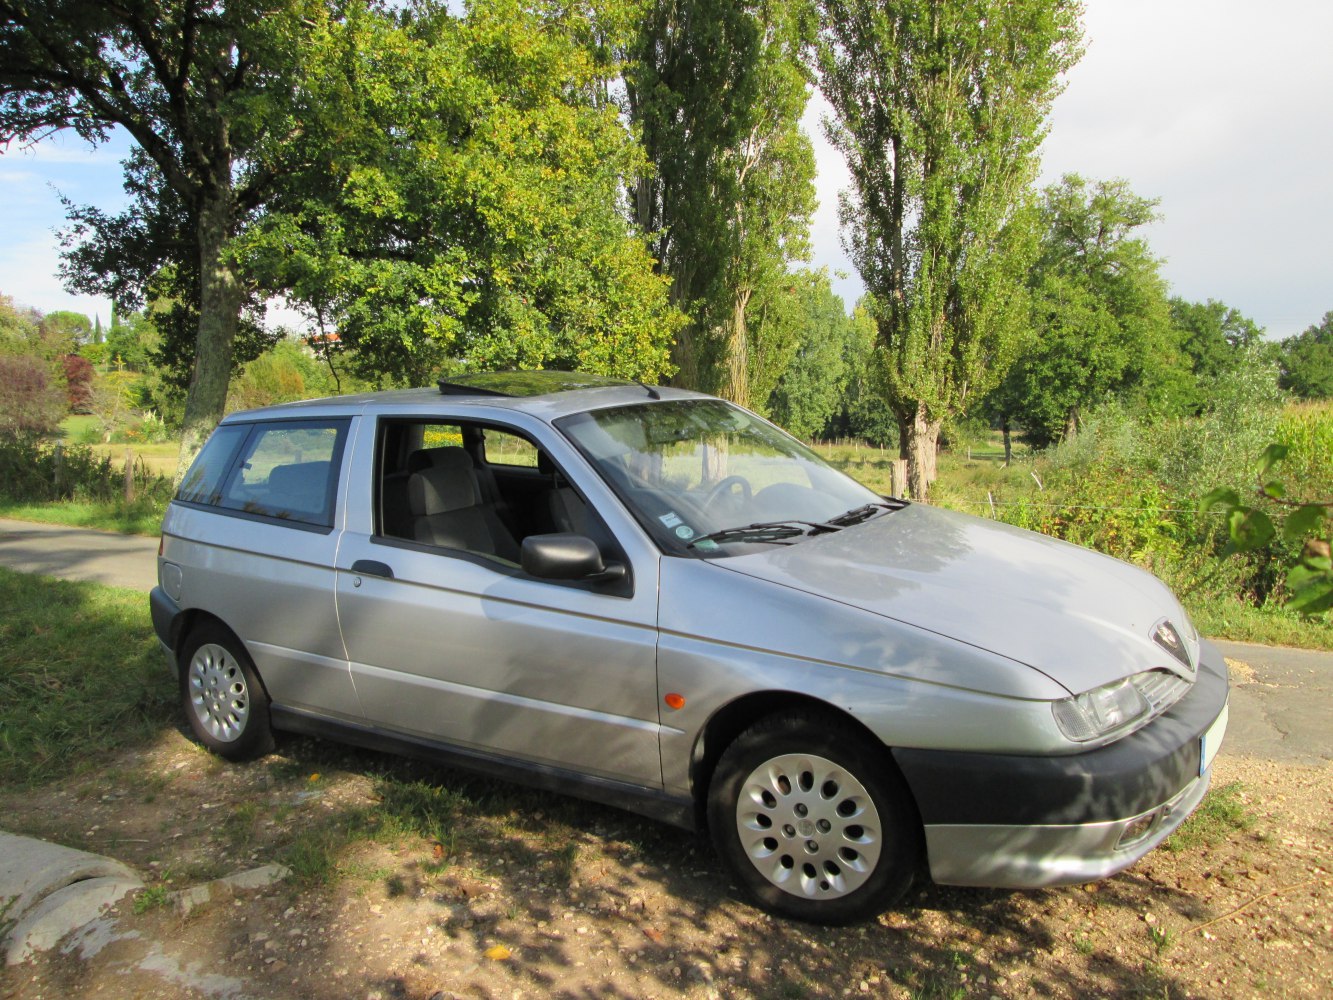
(475, 488)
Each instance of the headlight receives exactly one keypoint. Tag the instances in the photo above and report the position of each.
(1103, 711)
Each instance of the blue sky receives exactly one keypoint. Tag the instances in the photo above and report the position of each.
(1221, 109)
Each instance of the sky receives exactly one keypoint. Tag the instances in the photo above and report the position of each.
(1222, 110)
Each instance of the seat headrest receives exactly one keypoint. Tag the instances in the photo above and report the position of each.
(440, 490)
(448, 456)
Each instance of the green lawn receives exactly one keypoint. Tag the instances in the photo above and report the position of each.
(81, 675)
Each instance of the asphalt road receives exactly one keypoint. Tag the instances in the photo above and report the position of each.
(1281, 699)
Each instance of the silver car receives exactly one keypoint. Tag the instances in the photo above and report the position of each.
(655, 599)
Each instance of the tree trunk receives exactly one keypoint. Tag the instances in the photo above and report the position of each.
(1008, 444)
(922, 440)
(736, 384)
(1071, 423)
(220, 300)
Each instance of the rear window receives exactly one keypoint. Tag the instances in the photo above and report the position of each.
(285, 469)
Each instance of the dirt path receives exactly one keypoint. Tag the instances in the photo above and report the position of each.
(418, 883)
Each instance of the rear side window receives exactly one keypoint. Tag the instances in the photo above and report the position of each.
(285, 469)
(203, 483)
(288, 470)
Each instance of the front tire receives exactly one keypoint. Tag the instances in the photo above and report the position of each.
(814, 820)
(222, 696)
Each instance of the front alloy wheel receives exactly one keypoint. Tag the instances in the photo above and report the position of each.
(814, 819)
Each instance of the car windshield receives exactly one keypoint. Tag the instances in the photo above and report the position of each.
(691, 469)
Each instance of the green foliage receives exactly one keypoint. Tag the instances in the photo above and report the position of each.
(1100, 318)
(457, 199)
(1222, 812)
(939, 110)
(81, 676)
(715, 93)
(1308, 523)
(829, 344)
(35, 472)
(1212, 335)
(1307, 361)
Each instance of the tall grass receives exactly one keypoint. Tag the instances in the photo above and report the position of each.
(1133, 491)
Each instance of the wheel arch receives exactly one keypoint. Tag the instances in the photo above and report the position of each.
(191, 619)
(740, 714)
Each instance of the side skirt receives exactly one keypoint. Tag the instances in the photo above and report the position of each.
(650, 802)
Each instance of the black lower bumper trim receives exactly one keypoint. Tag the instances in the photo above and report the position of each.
(164, 611)
(1128, 777)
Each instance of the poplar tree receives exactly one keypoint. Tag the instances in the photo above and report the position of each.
(939, 108)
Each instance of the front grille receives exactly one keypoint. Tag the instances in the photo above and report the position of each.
(1163, 689)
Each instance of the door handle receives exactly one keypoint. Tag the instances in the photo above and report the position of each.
(372, 567)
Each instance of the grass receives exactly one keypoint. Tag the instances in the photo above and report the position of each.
(142, 517)
(1221, 813)
(81, 676)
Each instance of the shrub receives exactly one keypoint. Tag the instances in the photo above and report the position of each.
(35, 472)
(32, 402)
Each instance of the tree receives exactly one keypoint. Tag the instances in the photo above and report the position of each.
(716, 93)
(201, 90)
(939, 109)
(479, 218)
(1100, 319)
(70, 327)
(1212, 334)
(813, 383)
(1307, 361)
(78, 382)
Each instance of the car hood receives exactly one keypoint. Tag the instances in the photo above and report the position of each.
(1080, 617)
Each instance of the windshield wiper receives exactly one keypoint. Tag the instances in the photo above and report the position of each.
(858, 514)
(775, 532)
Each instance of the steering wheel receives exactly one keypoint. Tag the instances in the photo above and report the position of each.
(723, 487)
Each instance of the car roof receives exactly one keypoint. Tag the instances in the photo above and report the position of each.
(546, 395)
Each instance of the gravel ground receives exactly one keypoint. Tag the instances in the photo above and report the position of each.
(412, 882)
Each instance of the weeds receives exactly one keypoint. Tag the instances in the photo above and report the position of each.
(1161, 938)
(151, 898)
(1222, 812)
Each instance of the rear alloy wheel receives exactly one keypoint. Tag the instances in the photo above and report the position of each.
(222, 696)
(817, 823)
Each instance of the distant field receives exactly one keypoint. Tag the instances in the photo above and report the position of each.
(158, 458)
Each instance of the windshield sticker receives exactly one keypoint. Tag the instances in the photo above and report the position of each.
(685, 532)
(671, 519)
(707, 545)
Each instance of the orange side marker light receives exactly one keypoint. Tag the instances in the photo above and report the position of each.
(674, 700)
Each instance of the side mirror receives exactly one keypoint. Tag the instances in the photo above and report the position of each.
(566, 557)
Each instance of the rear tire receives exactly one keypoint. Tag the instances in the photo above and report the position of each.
(222, 696)
(815, 821)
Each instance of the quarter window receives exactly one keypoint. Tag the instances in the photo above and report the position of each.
(288, 470)
(203, 483)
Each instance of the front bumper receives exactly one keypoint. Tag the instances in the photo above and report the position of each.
(1007, 821)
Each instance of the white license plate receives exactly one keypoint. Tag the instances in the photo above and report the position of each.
(1212, 739)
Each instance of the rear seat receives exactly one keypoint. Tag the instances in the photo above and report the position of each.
(300, 490)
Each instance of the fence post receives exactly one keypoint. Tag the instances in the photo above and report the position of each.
(898, 477)
(129, 476)
(58, 461)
